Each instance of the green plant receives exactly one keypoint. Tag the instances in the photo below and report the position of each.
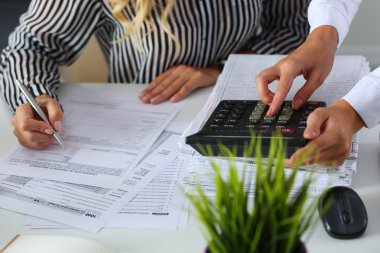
(273, 221)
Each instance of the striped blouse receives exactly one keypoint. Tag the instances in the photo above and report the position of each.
(54, 33)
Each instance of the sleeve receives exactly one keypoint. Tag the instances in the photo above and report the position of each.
(337, 13)
(284, 26)
(51, 33)
(365, 98)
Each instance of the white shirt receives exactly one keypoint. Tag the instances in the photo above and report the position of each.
(365, 95)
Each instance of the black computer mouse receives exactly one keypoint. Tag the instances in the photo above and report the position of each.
(343, 213)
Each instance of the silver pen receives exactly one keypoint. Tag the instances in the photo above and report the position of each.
(38, 109)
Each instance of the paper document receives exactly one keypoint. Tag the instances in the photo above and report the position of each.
(106, 134)
(82, 206)
(159, 205)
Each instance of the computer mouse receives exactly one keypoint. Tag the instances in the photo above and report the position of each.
(343, 213)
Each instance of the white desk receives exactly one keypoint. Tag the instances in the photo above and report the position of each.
(190, 240)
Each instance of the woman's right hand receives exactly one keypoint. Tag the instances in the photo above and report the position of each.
(31, 131)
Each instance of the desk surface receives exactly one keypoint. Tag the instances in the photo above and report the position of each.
(189, 240)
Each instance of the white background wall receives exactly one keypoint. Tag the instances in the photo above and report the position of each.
(364, 35)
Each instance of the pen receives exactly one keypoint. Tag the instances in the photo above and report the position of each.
(38, 109)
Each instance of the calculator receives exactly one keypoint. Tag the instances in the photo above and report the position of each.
(233, 122)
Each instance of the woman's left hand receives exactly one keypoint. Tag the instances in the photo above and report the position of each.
(176, 83)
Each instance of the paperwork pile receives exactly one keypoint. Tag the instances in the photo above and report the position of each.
(116, 154)
(237, 83)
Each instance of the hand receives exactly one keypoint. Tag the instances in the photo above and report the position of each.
(30, 130)
(329, 131)
(177, 83)
(313, 59)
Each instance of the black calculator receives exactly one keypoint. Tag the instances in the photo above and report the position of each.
(233, 122)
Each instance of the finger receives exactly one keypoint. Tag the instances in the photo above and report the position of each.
(170, 90)
(54, 112)
(24, 121)
(332, 156)
(263, 79)
(304, 93)
(283, 87)
(156, 82)
(185, 91)
(33, 137)
(33, 140)
(315, 123)
(160, 87)
(324, 147)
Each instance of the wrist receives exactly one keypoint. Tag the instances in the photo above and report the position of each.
(351, 114)
(326, 35)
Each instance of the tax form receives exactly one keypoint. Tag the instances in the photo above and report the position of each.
(81, 206)
(160, 205)
(106, 134)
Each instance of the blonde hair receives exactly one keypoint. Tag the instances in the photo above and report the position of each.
(143, 11)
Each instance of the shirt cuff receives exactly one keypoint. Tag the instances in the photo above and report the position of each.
(326, 14)
(364, 97)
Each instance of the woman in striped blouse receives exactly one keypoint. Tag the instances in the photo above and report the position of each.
(175, 45)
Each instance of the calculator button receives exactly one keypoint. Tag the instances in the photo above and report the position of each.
(302, 123)
(247, 102)
(261, 103)
(238, 110)
(260, 107)
(306, 113)
(226, 106)
(224, 111)
(255, 116)
(287, 130)
(232, 121)
(282, 122)
(288, 105)
(241, 106)
(284, 117)
(253, 121)
(268, 120)
(287, 111)
(229, 126)
(220, 116)
(235, 116)
(217, 121)
(214, 125)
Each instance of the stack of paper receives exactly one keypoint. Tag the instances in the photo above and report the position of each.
(237, 83)
(116, 155)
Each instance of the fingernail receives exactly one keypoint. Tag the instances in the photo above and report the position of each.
(49, 131)
(311, 133)
(58, 125)
(297, 103)
(269, 112)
